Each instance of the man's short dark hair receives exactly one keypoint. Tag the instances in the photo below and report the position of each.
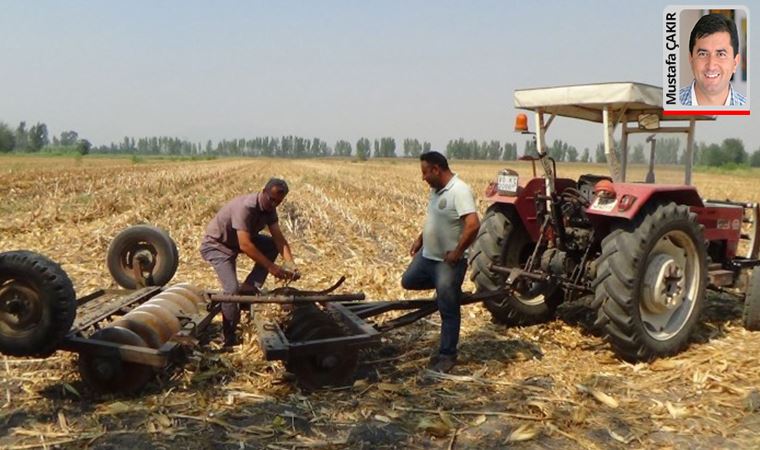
(714, 23)
(435, 159)
(281, 184)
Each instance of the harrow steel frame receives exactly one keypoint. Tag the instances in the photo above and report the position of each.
(355, 315)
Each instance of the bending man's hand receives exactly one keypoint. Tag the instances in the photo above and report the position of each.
(278, 272)
(291, 271)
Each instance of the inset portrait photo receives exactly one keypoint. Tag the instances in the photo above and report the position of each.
(709, 50)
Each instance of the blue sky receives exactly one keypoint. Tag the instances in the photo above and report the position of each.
(332, 69)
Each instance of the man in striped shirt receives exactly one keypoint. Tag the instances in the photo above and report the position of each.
(714, 57)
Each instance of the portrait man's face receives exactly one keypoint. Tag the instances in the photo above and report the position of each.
(713, 62)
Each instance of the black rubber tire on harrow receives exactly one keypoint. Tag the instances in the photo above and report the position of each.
(627, 254)
(109, 374)
(751, 315)
(319, 369)
(37, 304)
(502, 240)
(163, 250)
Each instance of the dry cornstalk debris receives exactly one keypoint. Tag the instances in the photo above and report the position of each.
(545, 385)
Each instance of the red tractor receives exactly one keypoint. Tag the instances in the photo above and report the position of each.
(641, 254)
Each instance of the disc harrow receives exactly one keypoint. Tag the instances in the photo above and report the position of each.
(125, 353)
(124, 337)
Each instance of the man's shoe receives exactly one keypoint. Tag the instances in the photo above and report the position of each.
(230, 341)
(443, 363)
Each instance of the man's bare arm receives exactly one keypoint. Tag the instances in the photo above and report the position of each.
(249, 248)
(279, 240)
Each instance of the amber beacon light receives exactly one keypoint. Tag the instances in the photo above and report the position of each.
(521, 123)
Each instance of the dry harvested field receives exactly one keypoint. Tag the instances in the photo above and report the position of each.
(546, 386)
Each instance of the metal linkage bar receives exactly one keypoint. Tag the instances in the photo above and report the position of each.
(283, 299)
(370, 309)
(427, 307)
(141, 355)
(515, 273)
(408, 318)
(351, 320)
(374, 308)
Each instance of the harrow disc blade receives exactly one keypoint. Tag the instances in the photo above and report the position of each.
(185, 285)
(163, 315)
(145, 330)
(164, 330)
(301, 319)
(109, 373)
(327, 367)
(187, 293)
(166, 304)
(187, 306)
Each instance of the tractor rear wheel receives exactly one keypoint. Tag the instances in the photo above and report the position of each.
(751, 316)
(651, 282)
(37, 304)
(502, 240)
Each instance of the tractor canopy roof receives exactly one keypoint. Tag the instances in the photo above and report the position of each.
(587, 101)
(610, 104)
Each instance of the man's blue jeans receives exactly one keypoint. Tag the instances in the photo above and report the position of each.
(446, 279)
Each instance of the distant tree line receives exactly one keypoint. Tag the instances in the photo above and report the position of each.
(36, 138)
(493, 150)
(268, 146)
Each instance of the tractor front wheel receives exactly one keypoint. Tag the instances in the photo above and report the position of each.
(651, 282)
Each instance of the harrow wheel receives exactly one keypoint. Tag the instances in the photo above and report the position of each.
(142, 255)
(108, 373)
(37, 304)
(651, 282)
(331, 366)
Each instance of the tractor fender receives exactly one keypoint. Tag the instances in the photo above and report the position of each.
(524, 202)
(641, 194)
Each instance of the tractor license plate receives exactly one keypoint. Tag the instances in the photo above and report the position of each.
(507, 183)
(604, 204)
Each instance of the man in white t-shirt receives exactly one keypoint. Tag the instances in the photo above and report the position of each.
(451, 226)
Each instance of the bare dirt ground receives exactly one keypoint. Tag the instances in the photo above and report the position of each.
(553, 385)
